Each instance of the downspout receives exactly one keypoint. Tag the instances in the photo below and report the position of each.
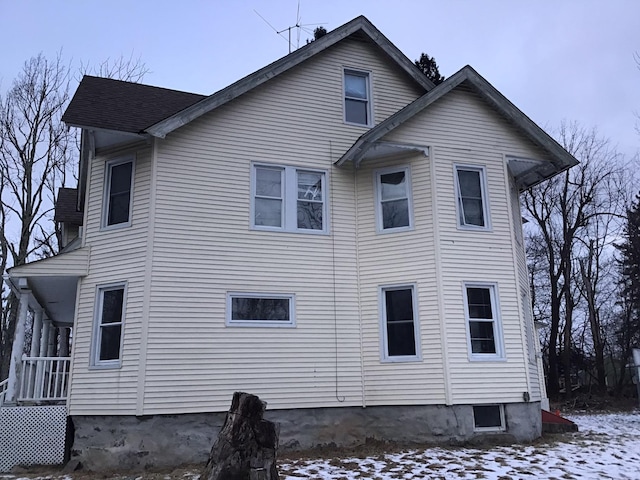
(358, 293)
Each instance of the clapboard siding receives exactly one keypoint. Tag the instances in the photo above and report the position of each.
(116, 256)
(191, 243)
(204, 247)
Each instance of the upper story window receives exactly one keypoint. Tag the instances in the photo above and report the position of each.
(118, 191)
(393, 191)
(108, 325)
(483, 320)
(357, 97)
(260, 310)
(400, 332)
(473, 208)
(289, 199)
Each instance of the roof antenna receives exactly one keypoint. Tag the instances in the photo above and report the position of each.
(299, 26)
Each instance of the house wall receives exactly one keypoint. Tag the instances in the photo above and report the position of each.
(461, 129)
(116, 255)
(190, 243)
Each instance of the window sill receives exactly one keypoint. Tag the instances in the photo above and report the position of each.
(117, 226)
(106, 366)
(487, 358)
(282, 230)
(399, 359)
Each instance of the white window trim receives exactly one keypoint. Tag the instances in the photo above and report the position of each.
(485, 197)
(378, 198)
(384, 356)
(290, 199)
(109, 164)
(368, 75)
(497, 322)
(95, 362)
(261, 323)
(503, 423)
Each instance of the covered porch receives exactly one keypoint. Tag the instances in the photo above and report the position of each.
(41, 353)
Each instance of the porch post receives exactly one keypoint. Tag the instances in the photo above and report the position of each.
(35, 350)
(15, 367)
(64, 342)
(44, 344)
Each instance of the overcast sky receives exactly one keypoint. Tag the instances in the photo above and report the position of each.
(556, 60)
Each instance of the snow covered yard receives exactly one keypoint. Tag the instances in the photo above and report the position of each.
(607, 447)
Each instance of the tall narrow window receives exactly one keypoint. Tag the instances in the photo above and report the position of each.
(119, 181)
(483, 320)
(288, 199)
(108, 329)
(394, 199)
(472, 202)
(310, 205)
(400, 332)
(268, 197)
(357, 104)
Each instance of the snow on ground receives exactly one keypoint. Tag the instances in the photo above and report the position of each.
(606, 447)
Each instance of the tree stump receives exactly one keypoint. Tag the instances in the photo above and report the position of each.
(247, 444)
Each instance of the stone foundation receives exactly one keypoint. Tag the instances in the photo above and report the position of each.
(104, 443)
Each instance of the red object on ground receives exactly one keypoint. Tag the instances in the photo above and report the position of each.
(548, 417)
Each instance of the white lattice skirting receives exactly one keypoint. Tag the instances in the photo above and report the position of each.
(32, 435)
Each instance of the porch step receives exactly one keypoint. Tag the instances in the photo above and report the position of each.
(32, 435)
(552, 423)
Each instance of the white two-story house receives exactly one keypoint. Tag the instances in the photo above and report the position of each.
(333, 233)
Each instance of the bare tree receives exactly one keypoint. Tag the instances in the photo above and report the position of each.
(563, 212)
(128, 69)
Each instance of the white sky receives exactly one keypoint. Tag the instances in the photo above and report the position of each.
(555, 59)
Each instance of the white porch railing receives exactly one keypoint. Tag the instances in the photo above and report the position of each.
(44, 379)
(3, 389)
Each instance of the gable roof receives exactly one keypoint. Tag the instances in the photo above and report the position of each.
(358, 26)
(122, 106)
(560, 158)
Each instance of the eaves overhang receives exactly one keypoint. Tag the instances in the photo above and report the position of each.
(560, 159)
(359, 24)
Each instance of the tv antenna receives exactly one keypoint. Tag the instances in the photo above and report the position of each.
(299, 26)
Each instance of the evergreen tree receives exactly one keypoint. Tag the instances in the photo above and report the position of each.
(429, 67)
(630, 265)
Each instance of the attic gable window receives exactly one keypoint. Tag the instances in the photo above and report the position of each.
(118, 191)
(357, 97)
(288, 199)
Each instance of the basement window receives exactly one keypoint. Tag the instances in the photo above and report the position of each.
(488, 418)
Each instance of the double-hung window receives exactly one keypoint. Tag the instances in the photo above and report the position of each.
(260, 310)
(393, 191)
(483, 321)
(400, 332)
(109, 320)
(357, 101)
(473, 208)
(289, 199)
(117, 193)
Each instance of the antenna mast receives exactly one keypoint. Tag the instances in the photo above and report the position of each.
(297, 25)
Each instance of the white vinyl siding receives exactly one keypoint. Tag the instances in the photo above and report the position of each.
(260, 310)
(394, 205)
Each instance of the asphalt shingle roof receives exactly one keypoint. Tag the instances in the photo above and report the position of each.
(66, 210)
(123, 106)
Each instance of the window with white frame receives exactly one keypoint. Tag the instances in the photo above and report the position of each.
(357, 101)
(400, 332)
(107, 346)
(488, 418)
(483, 321)
(260, 310)
(393, 191)
(117, 193)
(289, 199)
(473, 208)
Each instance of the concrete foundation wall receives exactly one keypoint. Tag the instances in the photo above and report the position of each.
(103, 443)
